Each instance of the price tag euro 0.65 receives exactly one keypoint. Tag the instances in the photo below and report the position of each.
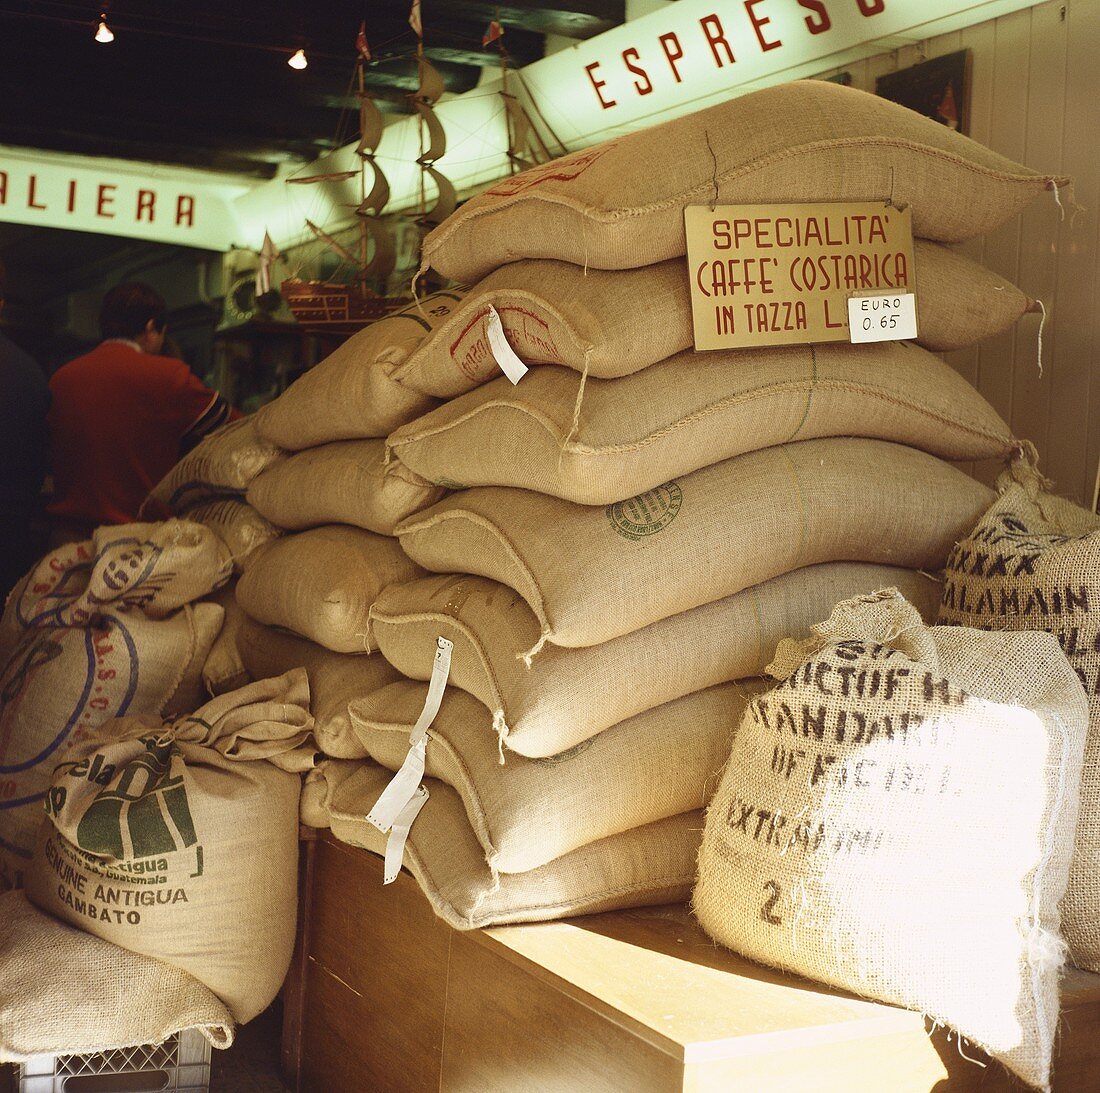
(885, 318)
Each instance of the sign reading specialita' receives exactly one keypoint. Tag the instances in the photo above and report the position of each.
(783, 274)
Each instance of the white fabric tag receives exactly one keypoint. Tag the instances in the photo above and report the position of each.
(402, 786)
(399, 834)
(502, 352)
(882, 318)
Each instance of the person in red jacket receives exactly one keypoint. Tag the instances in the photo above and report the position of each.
(122, 415)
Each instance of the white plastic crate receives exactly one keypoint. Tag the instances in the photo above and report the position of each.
(181, 1063)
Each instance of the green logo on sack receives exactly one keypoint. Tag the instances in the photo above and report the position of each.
(144, 800)
(646, 514)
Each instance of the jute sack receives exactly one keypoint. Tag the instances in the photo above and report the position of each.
(98, 629)
(180, 841)
(224, 670)
(532, 811)
(321, 583)
(345, 482)
(570, 695)
(336, 680)
(1033, 563)
(122, 569)
(65, 991)
(238, 525)
(896, 819)
(615, 323)
(637, 432)
(352, 393)
(221, 465)
(647, 866)
(592, 574)
(620, 204)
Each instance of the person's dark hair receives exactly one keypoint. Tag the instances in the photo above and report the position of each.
(127, 308)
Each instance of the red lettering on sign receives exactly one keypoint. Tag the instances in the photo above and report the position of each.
(146, 200)
(104, 200)
(627, 54)
(71, 204)
(185, 210)
(3, 187)
(597, 84)
(758, 24)
(666, 41)
(32, 194)
(716, 36)
(871, 7)
(823, 22)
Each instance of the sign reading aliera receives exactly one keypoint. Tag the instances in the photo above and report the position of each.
(783, 274)
(136, 200)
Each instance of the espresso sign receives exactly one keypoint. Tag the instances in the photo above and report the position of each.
(783, 274)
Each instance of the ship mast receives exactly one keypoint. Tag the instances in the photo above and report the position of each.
(521, 150)
(372, 202)
(433, 140)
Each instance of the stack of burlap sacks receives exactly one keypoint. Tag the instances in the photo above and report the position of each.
(913, 812)
(159, 890)
(612, 548)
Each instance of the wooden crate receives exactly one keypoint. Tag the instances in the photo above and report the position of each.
(385, 996)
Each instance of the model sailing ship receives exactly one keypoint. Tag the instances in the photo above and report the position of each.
(347, 306)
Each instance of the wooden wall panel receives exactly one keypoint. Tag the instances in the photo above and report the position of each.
(1035, 96)
(1066, 450)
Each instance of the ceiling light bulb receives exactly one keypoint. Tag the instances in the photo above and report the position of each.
(103, 33)
(298, 60)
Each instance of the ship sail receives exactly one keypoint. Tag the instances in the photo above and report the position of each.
(437, 138)
(446, 201)
(431, 83)
(385, 250)
(370, 126)
(379, 195)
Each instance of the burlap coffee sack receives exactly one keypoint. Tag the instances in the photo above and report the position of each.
(81, 647)
(529, 812)
(569, 695)
(615, 323)
(620, 204)
(180, 841)
(351, 393)
(123, 569)
(224, 670)
(219, 466)
(320, 583)
(696, 409)
(238, 525)
(336, 680)
(1033, 563)
(592, 574)
(345, 482)
(644, 867)
(63, 991)
(960, 302)
(896, 819)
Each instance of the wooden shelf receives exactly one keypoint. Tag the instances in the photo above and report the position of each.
(391, 998)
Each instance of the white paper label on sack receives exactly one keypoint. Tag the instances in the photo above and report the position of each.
(403, 786)
(399, 834)
(887, 318)
(502, 352)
